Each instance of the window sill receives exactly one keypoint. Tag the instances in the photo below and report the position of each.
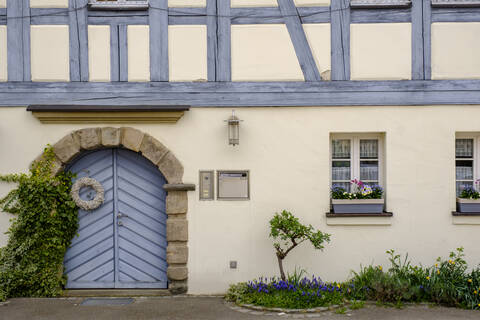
(359, 219)
(461, 218)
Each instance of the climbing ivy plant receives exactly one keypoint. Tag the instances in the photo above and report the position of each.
(31, 265)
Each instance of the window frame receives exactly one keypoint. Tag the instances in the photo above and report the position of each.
(476, 156)
(355, 154)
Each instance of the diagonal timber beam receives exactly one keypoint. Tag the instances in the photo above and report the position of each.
(299, 40)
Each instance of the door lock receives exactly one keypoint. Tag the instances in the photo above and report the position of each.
(122, 215)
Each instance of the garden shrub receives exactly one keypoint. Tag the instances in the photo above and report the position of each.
(31, 265)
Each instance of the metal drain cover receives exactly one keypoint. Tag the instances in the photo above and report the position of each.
(107, 301)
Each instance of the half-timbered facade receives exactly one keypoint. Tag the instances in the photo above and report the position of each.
(138, 94)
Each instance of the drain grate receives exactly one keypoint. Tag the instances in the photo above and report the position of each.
(107, 301)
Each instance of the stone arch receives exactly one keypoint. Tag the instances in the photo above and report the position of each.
(76, 142)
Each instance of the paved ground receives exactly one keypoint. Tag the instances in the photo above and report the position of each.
(183, 308)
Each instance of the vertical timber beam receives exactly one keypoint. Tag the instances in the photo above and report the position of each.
(211, 39)
(123, 51)
(114, 54)
(15, 40)
(78, 30)
(427, 39)
(299, 40)
(74, 49)
(417, 40)
(224, 49)
(26, 40)
(340, 39)
(158, 21)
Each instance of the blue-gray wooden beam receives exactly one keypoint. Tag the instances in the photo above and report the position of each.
(224, 35)
(211, 40)
(455, 14)
(427, 40)
(417, 41)
(74, 41)
(228, 94)
(299, 40)
(340, 39)
(82, 25)
(393, 15)
(158, 20)
(15, 40)
(26, 40)
(114, 54)
(123, 51)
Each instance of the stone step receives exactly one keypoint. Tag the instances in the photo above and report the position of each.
(116, 293)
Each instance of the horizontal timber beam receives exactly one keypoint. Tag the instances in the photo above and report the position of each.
(228, 94)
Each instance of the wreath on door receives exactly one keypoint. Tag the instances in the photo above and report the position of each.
(88, 205)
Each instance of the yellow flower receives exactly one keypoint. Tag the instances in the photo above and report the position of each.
(450, 261)
(436, 265)
(380, 267)
(475, 292)
(338, 285)
(428, 278)
(470, 280)
(438, 271)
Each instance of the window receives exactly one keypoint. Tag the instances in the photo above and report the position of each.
(361, 4)
(356, 156)
(466, 150)
(118, 4)
(455, 3)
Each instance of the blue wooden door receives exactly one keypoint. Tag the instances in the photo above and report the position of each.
(121, 244)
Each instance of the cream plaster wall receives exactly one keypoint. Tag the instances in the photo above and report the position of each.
(187, 53)
(50, 59)
(138, 53)
(187, 3)
(3, 54)
(455, 50)
(99, 53)
(263, 53)
(3, 3)
(318, 36)
(253, 3)
(49, 3)
(381, 51)
(305, 3)
(287, 153)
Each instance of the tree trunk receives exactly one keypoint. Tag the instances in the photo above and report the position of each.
(280, 266)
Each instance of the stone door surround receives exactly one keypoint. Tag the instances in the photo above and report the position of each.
(75, 142)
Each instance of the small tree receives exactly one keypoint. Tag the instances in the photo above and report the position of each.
(285, 227)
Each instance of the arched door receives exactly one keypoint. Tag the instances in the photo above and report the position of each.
(122, 243)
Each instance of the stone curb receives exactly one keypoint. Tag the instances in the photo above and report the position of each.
(294, 313)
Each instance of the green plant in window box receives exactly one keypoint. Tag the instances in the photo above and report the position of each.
(469, 199)
(363, 198)
(31, 265)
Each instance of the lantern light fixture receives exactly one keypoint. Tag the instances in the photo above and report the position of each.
(233, 129)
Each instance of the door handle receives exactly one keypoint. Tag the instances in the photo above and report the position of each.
(122, 215)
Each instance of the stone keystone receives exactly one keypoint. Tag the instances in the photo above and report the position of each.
(177, 273)
(110, 137)
(67, 148)
(152, 149)
(177, 253)
(131, 138)
(177, 230)
(90, 138)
